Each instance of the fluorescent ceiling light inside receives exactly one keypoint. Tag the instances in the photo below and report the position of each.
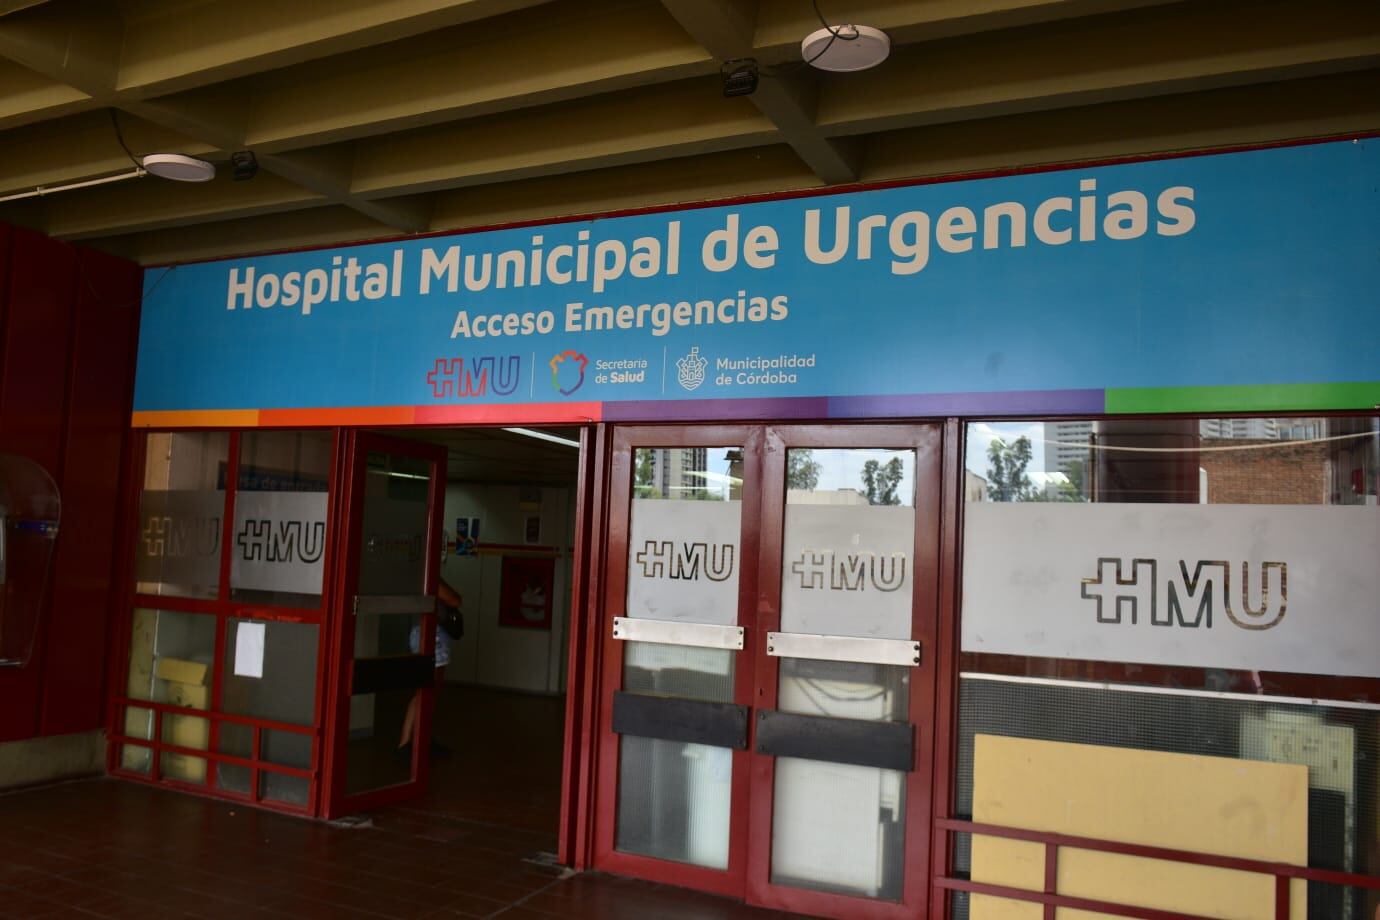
(543, 436)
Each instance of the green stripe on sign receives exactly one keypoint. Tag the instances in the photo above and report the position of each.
(1267, 398)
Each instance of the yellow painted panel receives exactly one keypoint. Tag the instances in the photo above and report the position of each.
(181, 671)
(1213, 805)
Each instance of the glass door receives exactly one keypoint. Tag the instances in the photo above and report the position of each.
(844, 668)
(677, 676)
(385, 640)
(770, 603)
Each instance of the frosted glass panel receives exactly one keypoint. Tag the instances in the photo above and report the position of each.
(673, 800)
(280, 517)
(392, 558)
(673, 797)
(181, 510)
(840, 827)
(678, 670)
(847, 559)
(683, 540)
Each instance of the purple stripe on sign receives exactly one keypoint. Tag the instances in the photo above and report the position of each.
(679, 410)
(1028, 402)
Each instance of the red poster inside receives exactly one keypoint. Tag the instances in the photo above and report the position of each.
(525, 595)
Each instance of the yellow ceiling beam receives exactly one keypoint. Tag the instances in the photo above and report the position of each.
(189, 45)
(27, 97)
(84, 146)
(78, 42)
(316, 226)
(151, 203)
(1261, 114)
(725, 28)
(75, 43)
(781, 24)
(650, 124)
(579, 52)
(680, 181)
(1105, 59)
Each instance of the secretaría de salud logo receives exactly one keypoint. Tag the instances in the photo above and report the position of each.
(690, 369)
(574, 364)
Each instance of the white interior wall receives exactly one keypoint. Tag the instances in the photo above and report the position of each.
(505, 656)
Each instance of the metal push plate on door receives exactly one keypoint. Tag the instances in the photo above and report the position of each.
(904, 652)
(671, 632)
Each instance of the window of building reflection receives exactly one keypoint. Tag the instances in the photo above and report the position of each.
(1182, 550)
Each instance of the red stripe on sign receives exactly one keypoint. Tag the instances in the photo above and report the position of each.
(527, 414)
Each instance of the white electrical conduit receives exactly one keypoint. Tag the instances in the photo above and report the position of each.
(42, 190)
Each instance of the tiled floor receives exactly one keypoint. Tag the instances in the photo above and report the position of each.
(106, 848)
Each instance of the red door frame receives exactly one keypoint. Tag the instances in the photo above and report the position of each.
(946, 647)
(613, 596)
(336, 728)
(925, 439)
(582, 666)
(748, 872)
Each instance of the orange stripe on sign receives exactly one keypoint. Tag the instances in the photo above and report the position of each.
(529, 414)
(197, 418)
(345, 416)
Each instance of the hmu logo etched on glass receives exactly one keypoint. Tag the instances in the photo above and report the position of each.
(179, 537)
(685, 561)
(850, 572)
(1139, 592)
(289, 541)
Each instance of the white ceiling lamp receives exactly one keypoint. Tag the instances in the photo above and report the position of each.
(845, 48)
(178, 167)
(544, 436)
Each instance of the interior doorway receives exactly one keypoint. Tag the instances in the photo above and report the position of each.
(490, 748)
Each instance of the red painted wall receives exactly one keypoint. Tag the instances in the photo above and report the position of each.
(68, 327)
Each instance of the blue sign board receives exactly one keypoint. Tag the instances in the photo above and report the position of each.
(1225, 281)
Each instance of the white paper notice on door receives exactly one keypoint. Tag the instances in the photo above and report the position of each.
(249, 650)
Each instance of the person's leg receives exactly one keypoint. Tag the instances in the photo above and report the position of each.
(414, 707)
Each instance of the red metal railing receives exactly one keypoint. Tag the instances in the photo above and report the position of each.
(1282, 873)
(254, 763)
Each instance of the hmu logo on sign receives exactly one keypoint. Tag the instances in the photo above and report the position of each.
(290, 541)
(458, 378)
(851, 572)
(180, 537)
(1126, 592)
(685, 561)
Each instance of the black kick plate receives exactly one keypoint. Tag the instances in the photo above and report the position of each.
(888, 745)
(400, 672)
(672, 719)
